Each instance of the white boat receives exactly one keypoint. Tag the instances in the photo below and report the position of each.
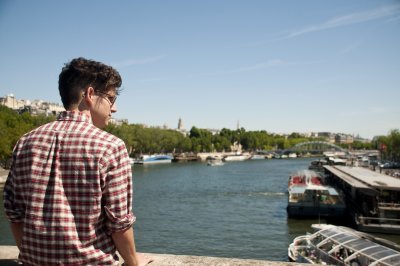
(338, 245)
(308, 196)
(257, 157)
(215, 162)
(154, 159)
(236, 157)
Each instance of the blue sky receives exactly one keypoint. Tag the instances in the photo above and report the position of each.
(281, 66)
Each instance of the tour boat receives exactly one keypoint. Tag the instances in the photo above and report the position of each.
(308, 196)
(236, 157)
(338, 245)
(257, 157)
(214, 162)
(154, 159)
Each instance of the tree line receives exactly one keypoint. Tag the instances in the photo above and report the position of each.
(149, 140)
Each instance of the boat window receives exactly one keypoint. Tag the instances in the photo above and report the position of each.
(343, 238)
(391, 261)
(359, 245)
(317, 239)
(329, 233)
(327, 246)
(384, 253)
(362, 260)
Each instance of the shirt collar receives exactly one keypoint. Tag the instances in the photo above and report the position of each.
(74, 116)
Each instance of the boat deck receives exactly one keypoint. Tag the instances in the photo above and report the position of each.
(364, 178)
(373, 199)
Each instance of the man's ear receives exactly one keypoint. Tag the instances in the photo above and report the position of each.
(88, 96)
(87, 99)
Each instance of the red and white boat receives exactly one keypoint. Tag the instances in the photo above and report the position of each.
(309, 196)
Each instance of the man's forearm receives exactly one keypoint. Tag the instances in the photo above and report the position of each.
(125, 243)
(17, 231)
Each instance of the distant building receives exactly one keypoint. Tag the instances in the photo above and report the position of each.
(11, 102)
(118, 122)
(343, 138)
(33, 107)
(180, 124)
(360, 139)
(329, 137)
(213, 131)
(181, 129)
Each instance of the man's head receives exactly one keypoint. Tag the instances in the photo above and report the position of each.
(91, 84)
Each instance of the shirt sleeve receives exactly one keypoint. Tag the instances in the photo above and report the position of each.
(12, 198)
(117, 193)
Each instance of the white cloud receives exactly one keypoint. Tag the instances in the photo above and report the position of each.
(350, 19)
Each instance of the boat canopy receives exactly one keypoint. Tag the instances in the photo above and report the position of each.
(302, 189)
(341, 238)
(297, 190)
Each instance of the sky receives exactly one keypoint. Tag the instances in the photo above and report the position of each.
(280, 66)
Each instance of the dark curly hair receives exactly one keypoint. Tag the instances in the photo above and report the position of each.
(79, 74)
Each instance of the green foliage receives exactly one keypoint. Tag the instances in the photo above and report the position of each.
(12, 126)
(389, 145)
(144, 140)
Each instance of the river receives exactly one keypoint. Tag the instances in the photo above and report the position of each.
(236, 210)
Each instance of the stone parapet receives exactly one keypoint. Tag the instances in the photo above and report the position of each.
(9, 254)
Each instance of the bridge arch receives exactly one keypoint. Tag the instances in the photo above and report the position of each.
(316, 146)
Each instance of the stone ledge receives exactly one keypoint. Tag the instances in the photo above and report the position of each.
(9, 254)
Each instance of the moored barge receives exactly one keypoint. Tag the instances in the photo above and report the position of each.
(373, 199)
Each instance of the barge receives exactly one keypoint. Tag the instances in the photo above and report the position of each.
(372, 198)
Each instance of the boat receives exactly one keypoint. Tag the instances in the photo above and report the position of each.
(318, 165)
(154, 159)
(336, 161)
(372, 198)
(257, 157)
(214, 161)
(339, 245)
(236, 157)
(309, 196)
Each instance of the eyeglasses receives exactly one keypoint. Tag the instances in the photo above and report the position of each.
(111, 99)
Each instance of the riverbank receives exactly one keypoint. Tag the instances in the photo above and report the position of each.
(9, 254)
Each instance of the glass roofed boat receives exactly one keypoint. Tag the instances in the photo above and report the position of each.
(337, 245)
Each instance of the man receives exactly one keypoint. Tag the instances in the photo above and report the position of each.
(69, 191)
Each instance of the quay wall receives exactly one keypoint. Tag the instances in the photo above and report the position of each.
(9, 254)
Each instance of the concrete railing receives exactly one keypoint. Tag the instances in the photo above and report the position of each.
(9, 254)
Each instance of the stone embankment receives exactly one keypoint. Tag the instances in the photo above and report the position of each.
(9, 254)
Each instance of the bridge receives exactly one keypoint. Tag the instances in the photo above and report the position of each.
(316, 147)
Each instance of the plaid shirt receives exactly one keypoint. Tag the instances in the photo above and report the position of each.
(70, 185)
